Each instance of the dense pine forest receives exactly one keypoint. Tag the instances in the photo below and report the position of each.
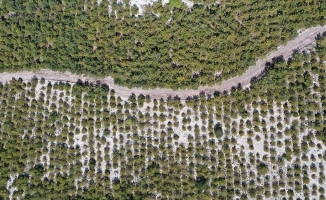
(81, 141)
(169, 46)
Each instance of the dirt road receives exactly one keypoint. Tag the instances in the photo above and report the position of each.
(305, 38)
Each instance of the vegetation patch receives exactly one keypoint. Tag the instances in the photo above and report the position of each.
(76, 141)
(176, 3)
(218, 130)
(184, 49)
(201, 184)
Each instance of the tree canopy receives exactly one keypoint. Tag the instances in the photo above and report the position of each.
(169, 46)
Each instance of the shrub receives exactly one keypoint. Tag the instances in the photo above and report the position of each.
(218, 130)
(176, 3)
(129, 121)
(201, 183)
(262, 168)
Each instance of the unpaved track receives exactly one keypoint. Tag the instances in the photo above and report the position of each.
(304, 39)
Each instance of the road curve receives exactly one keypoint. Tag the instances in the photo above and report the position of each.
(304, 39)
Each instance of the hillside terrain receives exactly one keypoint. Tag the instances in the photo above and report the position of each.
(82, 141)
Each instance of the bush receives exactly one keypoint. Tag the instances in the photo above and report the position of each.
(129, 122)
(262, 168)
(201, 183)
(218, 130)
(176, 3)
(322, 135)
(92, 164)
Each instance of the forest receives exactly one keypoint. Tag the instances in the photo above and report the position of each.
(81, 141)
(170, 46)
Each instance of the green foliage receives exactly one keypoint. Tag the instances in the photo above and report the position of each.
(218, 131)
(129, 121)
(84, 38)
(176, 3)
(321, 135)
(90, 144)
(201, 183)
(92, 164)
(262, 168)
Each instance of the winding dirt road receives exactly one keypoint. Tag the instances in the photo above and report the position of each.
(305, 39)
